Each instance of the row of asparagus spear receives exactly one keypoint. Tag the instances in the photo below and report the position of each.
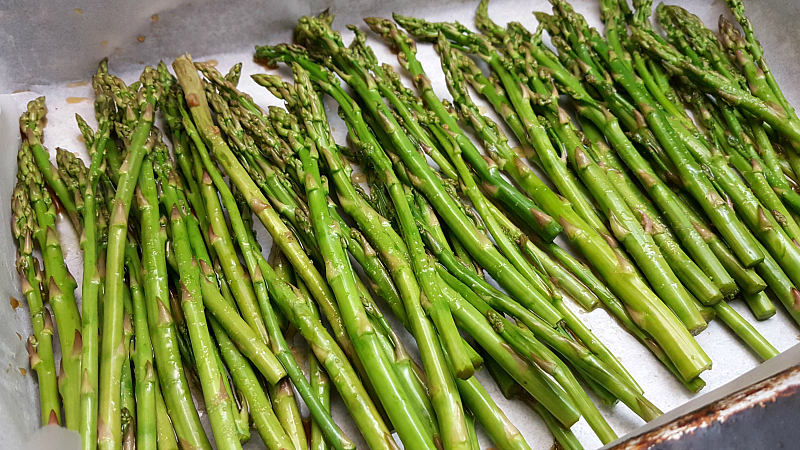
(675, 213)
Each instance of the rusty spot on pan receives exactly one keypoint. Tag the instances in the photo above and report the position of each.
(759, 416)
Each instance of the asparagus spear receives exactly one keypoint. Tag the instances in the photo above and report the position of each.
(320, 383)
(445, 397)
(110, 354)
(238, 403)
(546, 361)
(216, 398)
(164, 431)
(329, 353)
(90, 239)
(142, 357)
(241, 288)
(502, 432)
(164, 335)
(342, 280)
(530, 179)
(61, 284)
(31, 125)
(267, 424)
(499, 189)
(488, 256)
(40, 348)
(511, 389)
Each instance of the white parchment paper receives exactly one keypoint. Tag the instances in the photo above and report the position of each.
(52, 48)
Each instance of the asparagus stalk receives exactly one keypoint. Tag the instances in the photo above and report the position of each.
(511, 389)
(142, 357)
(445, 397)
(408, 107)
(488, 256)
(502, 432)
(749, 57)
(61, 284)
(164, 335)
(112, 354)
(267, 424)
(211, 179)
(329, 353)
(31, 125)
(546, 361)
(249, 342)
(286, 409)
(91, 285)
(342, 281)
(238, 403)
(760, 305)
(164, 431)
(764, 226)
(320, 384)
(40, 348)
(500, 189)
(216, 398)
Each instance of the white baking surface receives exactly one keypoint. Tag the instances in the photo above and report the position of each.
(49, 48)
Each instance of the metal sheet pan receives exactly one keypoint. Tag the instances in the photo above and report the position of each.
(52, 48)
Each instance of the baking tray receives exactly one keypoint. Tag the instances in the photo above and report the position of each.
(52, 47)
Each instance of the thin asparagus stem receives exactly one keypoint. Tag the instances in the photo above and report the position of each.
(39, 345)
